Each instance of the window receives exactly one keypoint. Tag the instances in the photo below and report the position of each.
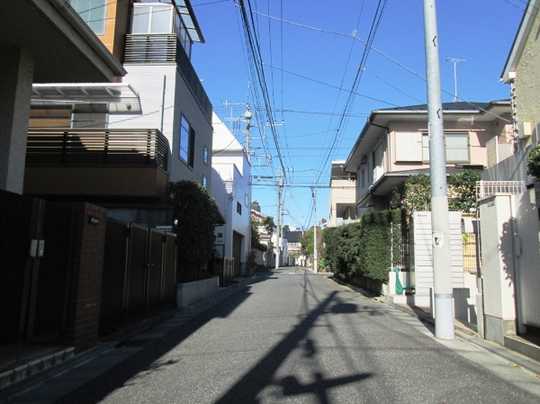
(152, 19)
(187, 142)
(205, 155)
(238, 208)
(183, 35)
(457, 147)
(204, 182)
(92, 12)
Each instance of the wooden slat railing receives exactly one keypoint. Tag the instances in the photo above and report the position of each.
(166, 48)
(97, 147)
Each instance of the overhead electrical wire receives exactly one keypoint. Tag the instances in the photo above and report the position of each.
(255, 51)
(375, 23)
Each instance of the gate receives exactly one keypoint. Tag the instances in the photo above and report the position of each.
(139, 273)
(137, 269)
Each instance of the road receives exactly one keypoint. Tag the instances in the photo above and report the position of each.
(299, 338)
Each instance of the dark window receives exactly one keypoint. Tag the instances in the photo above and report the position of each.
(238, 208)
(187, 142)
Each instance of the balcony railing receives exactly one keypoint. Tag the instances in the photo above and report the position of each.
(97, 148)
(166, 48)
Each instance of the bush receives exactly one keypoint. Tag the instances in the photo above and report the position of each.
(364, 249)
(195, 216)
(533, 162)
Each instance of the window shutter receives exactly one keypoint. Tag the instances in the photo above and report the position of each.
(408, 146)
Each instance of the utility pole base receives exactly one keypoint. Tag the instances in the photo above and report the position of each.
(444, 316)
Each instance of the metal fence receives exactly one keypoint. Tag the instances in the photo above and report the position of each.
(485, 189)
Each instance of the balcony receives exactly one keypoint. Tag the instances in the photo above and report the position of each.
(96, 162)
(166, 48)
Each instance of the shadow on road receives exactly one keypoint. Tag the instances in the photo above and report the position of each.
(262, 375)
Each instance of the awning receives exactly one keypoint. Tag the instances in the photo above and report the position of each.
(189, 20)
(119, 98)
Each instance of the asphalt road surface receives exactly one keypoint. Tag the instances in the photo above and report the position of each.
(302, 338)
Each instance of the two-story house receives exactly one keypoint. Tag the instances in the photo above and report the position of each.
(122, 155)
(231, 188)
(394, 145)
(342, 195)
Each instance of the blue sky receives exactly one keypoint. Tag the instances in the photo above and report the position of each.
(480, 31)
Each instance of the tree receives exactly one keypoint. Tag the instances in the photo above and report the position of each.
(256, 206)
(195, 217)
(269, 224)
(285, 229)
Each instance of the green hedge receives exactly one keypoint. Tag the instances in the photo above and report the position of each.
(364, 249)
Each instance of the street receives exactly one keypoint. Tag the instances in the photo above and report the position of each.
(302, 338)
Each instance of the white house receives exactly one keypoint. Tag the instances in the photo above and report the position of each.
(231, 173)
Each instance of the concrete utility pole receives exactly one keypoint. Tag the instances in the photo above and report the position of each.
(444, 318)
(315, 251)
(278, 247)
(455, 62)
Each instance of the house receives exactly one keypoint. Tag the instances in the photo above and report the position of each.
(154, 129)
(63, 40)
(294, 246)
(394, 145)
(342, 195)
(508, 207)
(231, 188)
(265, 236)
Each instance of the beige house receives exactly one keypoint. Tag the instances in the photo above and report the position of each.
(394, 145)
(521, 72)
(342, 195)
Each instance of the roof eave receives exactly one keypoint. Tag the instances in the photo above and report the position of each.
(519, 41)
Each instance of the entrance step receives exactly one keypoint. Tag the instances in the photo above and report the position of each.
(34, 365)
(522, 346)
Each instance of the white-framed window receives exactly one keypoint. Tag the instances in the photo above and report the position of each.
(152, 18)
(457, 147)
(93, 12)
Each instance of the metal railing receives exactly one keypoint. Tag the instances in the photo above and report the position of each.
(485, 189)
(97, 147)
(166, 48)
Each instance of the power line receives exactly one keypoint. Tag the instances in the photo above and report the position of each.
(375, 23)
(254, 47)
(385, 56)
(324, 83)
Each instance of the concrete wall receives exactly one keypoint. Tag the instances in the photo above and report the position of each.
(498, 266)
(190, 292)
(422, 255)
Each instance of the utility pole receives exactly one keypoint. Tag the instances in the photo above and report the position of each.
(315, 250)
(279, 208)
(444, 316)
(455, 62)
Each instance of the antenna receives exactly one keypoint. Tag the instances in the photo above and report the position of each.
(455, 62)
